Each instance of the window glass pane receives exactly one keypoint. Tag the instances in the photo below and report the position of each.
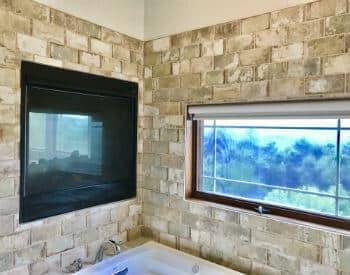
(207, 150)
(276, 196)
(345, 163)
(344, 208)
(345, 123)
(262, 160)
(298, 159)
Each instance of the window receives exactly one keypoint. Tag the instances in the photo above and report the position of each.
(288, 162)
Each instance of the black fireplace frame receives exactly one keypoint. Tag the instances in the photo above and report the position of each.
(40, 76)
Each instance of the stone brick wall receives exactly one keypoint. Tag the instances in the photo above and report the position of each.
(29, 31)
(299, 52)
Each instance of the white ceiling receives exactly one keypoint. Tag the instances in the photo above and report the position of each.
(149, 19)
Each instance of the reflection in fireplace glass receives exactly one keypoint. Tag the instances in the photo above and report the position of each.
(65, 147)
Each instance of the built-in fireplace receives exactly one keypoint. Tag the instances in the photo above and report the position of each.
(78, 140)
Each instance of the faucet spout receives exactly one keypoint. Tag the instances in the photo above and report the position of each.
(104, 246)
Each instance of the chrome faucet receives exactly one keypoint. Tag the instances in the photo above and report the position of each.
(104, 246)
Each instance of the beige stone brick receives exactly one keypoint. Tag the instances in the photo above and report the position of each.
(161, 44)
(170, 55)
(45, 232)
(100, 47)
(287, 16)
(310, 267)
(226, 92)
(119, 213)
(169, 82)
(64, 53)
(152, 59)
(201, 64)
(168, 135)
(304, 67)
(191, 80)
(272, 70)
(7, 152)
(255, 56)
(111, 64)
(8, 58)
(49, 264)
(60, 244)
(179, 230)
(8, 39)
(155, 198)
(305, 31)
(338, 24)
(289, 52)
(7, 115)
(177, 148)
(283, 262)
(48, 32)
(6, 261)
(256, 23)
(326, 46)
(99, 218)
(73, 225)
(236, 231)
(9, 168)
(167, 239)
(88, 28)
(14, 22)
(169, 108)
(129, 69)
(326, 8)
(89, 59)
(291, 87)
(147, 72)
(253, 252)
(75, 66)
(259, 268)
(239, 43)
(228, 61)
(181, 40)
(240, 74)
(213, 48)
(337, 64)
(202, 35)
(7, 224)
(9, 96)
(8, 77)
(214, 77)
(30, 254)
(111, 36)
(251, 90)
(31, 44)
(190, 52)
(176, 68)
(327, 84)
(162, 70)
(84, 237)
(271, 37)
(31, 9)
(227, 29)
(48, 61)
(185, 66)
(122, 53)
(77, 41)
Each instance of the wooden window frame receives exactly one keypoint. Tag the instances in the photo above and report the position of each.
(192, 192)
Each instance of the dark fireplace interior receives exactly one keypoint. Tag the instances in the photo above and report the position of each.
(78, 136)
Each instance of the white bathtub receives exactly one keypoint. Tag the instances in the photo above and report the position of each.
(156, 259)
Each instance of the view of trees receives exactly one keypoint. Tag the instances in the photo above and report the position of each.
(252, 162)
